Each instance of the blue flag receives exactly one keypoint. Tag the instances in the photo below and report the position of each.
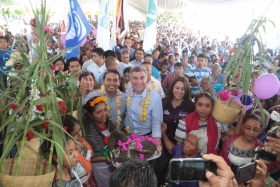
(77, 28)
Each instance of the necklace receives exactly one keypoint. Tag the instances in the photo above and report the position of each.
(153, 81)
(118, 105)
(145, 103)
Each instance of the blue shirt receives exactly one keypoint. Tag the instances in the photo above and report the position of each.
(155, 72)
(199, 73)
(4, 57)
(134, 63)
(220, 79)
(188, 69)
(112, 104)
(154, 114)
(177, 152)
(100, 80)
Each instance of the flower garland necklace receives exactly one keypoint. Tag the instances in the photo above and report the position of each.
(145, 103)
(154, 86)
(118, 105)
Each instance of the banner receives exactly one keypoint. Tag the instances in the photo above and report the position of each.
(103, 28)
(121, 19)
(150, 35)
(77, 28)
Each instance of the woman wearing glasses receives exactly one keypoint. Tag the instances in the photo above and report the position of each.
(240, 149)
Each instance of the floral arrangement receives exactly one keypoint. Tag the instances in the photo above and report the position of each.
(31, 107)
(225, 95)
(137, 139)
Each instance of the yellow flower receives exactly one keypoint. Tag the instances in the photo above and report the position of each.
(97, 100)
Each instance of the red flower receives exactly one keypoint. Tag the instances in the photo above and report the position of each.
(29, 135)
(106, 140)
(14, 106)
(65, 128)
(62, 108)
(45, 124)
(61, 103)
(33, 22)
(39, 107)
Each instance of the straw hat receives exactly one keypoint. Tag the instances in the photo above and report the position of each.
(15, 57)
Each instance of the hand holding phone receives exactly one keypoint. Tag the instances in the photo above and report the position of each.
(190, 169)
(259, 179)
(246, 172)
(224, 176)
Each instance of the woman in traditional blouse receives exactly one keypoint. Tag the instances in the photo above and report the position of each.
(239, 149)
(98, 128)
(202, 119)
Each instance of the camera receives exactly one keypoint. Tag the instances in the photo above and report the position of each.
(261, 153)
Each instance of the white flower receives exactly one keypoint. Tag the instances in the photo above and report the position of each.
(275, 116)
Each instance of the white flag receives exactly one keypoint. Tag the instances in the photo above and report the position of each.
(113, 30)
(150, 35)
(103, 28)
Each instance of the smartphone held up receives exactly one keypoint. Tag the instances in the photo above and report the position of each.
(190, 169)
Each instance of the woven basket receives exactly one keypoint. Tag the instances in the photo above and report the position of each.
(224, 113)
(31, 148)
(26, 176)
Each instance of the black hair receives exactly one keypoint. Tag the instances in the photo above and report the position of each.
(98, 51)
(109, 53)
(178, 64)
(145, 62)
(252, 116)
(126, 70)
(3, 37)
(70, 122)
(202, 56)
(110, 60)
(204, 94)
(133, 173)
(81, 57)
(162, 55)
(170, 56)
(186, 97)
(111, 71)
(176, 54)
(85, 74)
(268, 102)
(72, 60)
(91, 109)
(139, 49)
(148, 55)
(164, 63)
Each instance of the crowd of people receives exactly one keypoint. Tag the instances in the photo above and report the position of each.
(168, 95)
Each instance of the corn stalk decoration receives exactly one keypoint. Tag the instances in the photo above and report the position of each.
(32, 107)
(244, 56)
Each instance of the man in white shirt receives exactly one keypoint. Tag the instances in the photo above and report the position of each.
(96, 65)
(139, 55)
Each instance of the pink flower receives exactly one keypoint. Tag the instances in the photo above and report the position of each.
(47, 29)
(43, 73)
(141, 155)
(224, 95)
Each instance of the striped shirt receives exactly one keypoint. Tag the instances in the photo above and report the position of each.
(199, 73)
